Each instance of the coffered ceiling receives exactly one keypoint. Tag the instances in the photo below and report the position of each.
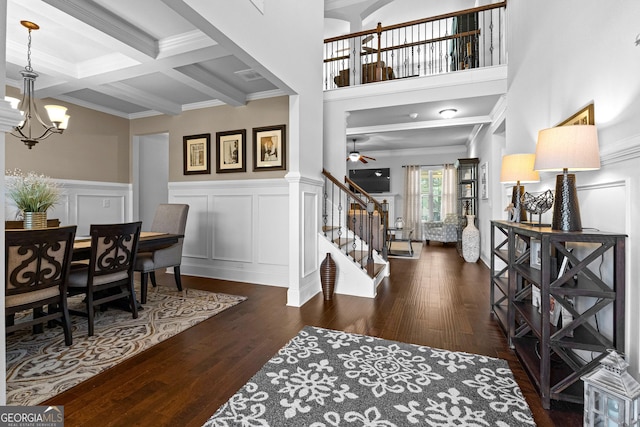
(146, 57)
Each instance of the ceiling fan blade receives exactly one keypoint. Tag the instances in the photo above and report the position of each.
(363, 160)
(367, 39)
(367, 157)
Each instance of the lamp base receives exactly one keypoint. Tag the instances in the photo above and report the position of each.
(519, 212)
(566, 210)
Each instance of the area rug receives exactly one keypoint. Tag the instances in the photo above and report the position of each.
(329, 378)
(401, 250)
(40, 366)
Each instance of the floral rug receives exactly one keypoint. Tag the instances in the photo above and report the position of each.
(329, 378)
(39, 366)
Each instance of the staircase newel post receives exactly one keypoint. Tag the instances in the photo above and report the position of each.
(370, 208)
(385, 221)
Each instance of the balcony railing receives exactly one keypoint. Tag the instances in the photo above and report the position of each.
(470, 38)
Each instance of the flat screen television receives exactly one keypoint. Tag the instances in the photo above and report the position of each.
(372, 180)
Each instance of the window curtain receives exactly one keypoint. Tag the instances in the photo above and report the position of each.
(412, 217)
(449, 190)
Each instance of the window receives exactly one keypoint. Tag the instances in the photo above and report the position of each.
(431, 193)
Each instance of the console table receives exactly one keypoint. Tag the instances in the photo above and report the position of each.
(578, 274)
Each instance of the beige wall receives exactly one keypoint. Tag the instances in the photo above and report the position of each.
(258, 113)
(95, 147)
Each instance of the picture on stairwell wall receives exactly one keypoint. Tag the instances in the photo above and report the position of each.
(269, 148)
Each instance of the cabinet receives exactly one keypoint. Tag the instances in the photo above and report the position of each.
(580, 280)
(467, 186)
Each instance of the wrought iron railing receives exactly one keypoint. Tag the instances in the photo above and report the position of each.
(350, 220)
(470, 38)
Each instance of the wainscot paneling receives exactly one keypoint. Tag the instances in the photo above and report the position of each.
(236, 230)
(88, 202)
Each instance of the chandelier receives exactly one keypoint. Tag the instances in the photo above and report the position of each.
(33, 129)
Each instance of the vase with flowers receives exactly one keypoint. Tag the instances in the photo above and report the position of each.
(33, 195)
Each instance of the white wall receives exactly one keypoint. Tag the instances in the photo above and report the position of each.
(563, 56)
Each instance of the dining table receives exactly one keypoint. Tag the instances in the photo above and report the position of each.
(149, 241)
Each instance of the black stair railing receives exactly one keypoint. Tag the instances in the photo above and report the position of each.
(345, 211)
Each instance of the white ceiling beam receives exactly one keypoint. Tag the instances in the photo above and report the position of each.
(224, 91)
(139, 97)
(239, 98)
(109, 23)
(428, 124)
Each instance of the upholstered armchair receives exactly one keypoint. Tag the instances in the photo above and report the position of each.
(441, 231)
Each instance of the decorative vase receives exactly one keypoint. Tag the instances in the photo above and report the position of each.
(34, 220)
(471, 240)
(328, 277)
(399, 222)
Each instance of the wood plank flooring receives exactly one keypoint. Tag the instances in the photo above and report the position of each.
(438, 300)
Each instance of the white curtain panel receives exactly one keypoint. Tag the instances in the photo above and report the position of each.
(412, 218)
(449, 190)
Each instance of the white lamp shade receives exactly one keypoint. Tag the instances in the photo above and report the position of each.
(65, 122)
(56, 113)
(568, 147)
(519, 167)
(354, 156)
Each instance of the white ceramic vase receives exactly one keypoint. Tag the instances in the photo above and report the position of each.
(471, 240)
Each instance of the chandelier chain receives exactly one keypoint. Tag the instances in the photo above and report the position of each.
(28, 67)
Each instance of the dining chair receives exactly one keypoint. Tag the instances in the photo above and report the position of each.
(109, 274)
(169, 218)
(37, 264)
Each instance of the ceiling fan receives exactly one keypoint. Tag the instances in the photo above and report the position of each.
(355, 155)
(365, 40)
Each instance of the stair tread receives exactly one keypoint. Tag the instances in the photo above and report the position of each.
(374, 269)
(341, 241)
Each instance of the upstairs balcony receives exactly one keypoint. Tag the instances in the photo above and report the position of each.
(471, 38)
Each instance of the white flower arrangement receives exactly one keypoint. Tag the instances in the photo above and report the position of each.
(32, 192)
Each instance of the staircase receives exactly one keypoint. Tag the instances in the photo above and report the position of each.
(354, 233)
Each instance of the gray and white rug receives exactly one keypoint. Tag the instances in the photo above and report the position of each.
(333, 378)
(39, 366)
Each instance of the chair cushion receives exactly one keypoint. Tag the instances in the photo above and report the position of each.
(29, 297)
(79, 277)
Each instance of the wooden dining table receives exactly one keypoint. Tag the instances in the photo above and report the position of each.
(149, 241)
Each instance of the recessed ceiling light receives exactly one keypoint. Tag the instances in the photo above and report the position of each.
(413, 115)
(448, 113)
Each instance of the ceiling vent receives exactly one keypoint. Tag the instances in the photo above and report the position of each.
(248, 75)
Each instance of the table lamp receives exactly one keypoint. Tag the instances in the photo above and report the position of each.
(518, 168)
(562, 148)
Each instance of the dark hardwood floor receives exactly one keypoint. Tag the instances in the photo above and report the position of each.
(438, 301)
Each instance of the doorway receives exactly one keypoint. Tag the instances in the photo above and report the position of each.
(151, 175)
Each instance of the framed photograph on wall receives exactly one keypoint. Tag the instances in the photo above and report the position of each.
(484, 181)
(230, 151)
(197, 154)
(582, 117)
(269, 148)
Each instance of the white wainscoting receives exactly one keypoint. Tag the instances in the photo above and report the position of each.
(88, 202)
(236, 230)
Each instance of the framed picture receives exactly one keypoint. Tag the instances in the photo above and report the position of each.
(534, 254)
(269, 148)
(197, 154)
(230, 151)
(582, 117)
(484, 181)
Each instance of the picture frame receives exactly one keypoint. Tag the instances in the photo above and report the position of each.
(534, 254)
(197, 154)
(269, 148)
(231, 148)
(583, 117)
(484, 181)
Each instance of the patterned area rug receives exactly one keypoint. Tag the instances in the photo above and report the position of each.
(40, 366)
(330, 378)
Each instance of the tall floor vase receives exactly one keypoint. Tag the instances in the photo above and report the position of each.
(328, 277)
(471, 240)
